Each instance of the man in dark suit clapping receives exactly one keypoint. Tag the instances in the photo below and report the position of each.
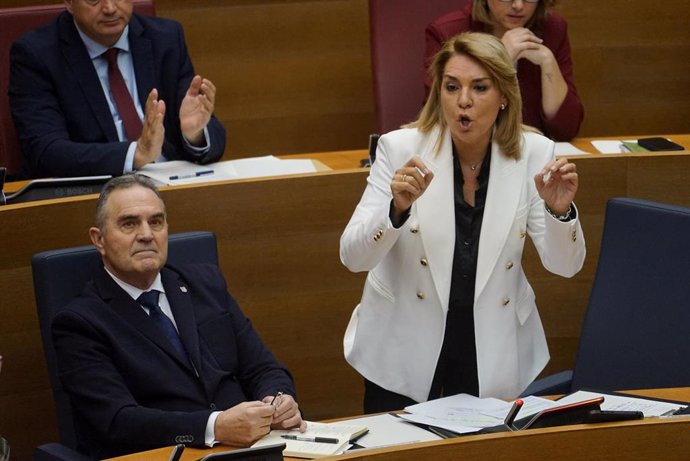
(102, 90)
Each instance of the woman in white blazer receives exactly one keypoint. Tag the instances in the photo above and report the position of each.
(441, 227)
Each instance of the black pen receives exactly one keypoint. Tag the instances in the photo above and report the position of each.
(304, 438)
(191, 175)
(275, 397)
(510, 417)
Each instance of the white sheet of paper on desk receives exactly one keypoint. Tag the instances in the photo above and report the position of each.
(464, 413)
(459, 413)
(387, 430)
(608, 146)
(257, 167)
(164, 171)
(565, 148)
(254, 167)
(623, 403)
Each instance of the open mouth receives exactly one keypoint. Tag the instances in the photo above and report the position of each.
(464, 121)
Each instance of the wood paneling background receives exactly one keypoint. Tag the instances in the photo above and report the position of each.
(295, 75)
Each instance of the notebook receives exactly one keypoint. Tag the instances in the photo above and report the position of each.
(319, 440)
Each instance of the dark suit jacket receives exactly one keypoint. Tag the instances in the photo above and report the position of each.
(61, 114)
(130, 390)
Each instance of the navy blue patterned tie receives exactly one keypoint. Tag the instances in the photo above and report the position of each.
(149, 299)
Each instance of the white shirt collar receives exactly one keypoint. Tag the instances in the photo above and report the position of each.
(95, 49)
(133, 291)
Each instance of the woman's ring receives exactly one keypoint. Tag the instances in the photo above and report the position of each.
(404, 177)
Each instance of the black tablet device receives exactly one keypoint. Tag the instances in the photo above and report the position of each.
(658, 144)
(267, 453)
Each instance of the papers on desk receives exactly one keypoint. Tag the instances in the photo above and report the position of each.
(464, 413)
(608, 146)
(319, 440)
(567, 149)
(618, 402)
(178, 172)
(387, 430)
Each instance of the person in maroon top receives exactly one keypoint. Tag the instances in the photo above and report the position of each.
(537, 39)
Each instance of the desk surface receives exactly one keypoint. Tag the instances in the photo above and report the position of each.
(350, 159)
(643, 439)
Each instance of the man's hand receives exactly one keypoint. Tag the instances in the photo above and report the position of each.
(196, 109)
(244, 424)
(150, 143)
(287, 414)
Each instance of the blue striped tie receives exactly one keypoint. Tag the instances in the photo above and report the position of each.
(149, 299)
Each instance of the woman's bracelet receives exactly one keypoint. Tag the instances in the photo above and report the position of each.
(565, 217)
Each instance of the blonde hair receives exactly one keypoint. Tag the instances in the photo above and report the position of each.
(488, 51)
(481, 13)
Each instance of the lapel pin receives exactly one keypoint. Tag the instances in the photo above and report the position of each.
(183, 289)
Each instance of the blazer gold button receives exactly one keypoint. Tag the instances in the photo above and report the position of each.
(574, 236)
(378, 235)
(420, 295)
(509, 265)
(414, 230)
(523, 234)
(424, 262)
(506, 301)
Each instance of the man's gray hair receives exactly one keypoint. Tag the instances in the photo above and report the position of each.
(122, 182)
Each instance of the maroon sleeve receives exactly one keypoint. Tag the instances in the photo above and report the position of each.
(565, 125)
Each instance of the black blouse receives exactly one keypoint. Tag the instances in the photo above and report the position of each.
(456, 370)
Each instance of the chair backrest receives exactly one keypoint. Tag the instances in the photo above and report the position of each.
(60, 275)
(15, 22)
(397, 56)
(635, 331)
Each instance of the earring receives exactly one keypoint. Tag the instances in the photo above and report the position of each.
(503, 106)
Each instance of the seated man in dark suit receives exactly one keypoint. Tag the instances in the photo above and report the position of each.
(183, 367)
(101, 90)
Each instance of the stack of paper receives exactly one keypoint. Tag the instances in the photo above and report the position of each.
(463, 413)
(619, 402)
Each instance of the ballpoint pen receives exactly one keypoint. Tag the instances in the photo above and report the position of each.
(510, 417)
(191, 175)
(305, 438)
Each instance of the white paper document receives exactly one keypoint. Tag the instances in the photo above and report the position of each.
(463, 413)
(623, 403)
(178, 172)
(567, 149)
(608, 146)
(387, 430)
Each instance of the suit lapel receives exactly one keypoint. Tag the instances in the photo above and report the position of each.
(79, 62)
(436, 213)
(127, 308)
(506, 181)
(142, 58)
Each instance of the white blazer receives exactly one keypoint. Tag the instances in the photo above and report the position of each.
(395, 334)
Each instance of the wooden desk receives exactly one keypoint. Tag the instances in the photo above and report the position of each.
(278, 244)
(342, 160)
(632, 440)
